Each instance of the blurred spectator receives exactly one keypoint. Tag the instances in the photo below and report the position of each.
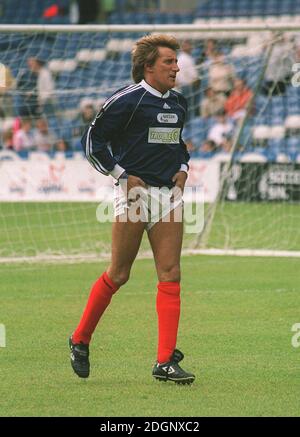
(279, 68)
(187, 78)
(296, 42)
(188, 73)
(8, 139)
(87, 112)
(16, 125)
(209, 52)
(55, 10)
(84, 118)
(61, 146)
(227, 144)
(23, 138)
(236, 103)
(88, 11)
(212, 103)
(221, 74)
(7, 83)
(44, 140)
(208, 148)
(45, 86)
(190, 146)
(222, 130)
(26, 97)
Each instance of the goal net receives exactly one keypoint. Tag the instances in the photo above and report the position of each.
(242, 132)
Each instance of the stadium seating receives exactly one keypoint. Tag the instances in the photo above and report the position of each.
(246, 8)
(31, 12)
(94, 64)
(14, 12)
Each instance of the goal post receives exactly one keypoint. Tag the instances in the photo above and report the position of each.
(50, 198)
(203, 235)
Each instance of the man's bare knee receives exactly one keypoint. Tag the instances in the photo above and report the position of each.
(169, 274)
(118, 277)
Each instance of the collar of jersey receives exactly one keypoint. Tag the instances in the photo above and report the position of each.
(153, 91)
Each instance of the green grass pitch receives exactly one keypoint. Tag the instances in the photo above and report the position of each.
(27, 229)
(235, 330)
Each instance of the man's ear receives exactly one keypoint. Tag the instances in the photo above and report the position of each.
(149, 68)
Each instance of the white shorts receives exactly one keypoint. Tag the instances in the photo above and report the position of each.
(151, 204)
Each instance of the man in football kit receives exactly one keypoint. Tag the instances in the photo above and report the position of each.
(136, 138)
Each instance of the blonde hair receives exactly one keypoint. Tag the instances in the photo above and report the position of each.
(145, 52)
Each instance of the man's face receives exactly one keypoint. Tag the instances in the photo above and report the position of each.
(32, 64)
(162, 74)
(238, 84)
(186, 47)
(42, 125)
(88, 113)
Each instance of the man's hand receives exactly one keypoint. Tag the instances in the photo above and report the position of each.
(133, 185)
(134, 181)
(180, 179)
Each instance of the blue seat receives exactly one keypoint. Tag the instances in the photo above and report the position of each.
(263, 151)
(241, 7)
(64, 80)
(293, 147)
(277, 143)
(24, 154)
(114, 18)
(277, 120)
(260, 118)
(230, 8)
(196, 130)
(293, 109)
(261, 102)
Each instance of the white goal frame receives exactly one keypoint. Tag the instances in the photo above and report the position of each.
(203, 29)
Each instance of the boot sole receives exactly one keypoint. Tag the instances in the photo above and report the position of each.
(187, 381)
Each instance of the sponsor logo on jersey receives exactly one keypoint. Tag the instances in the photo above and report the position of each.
(162, 135)
(167, 118)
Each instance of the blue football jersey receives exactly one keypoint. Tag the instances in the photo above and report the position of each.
(139, 130)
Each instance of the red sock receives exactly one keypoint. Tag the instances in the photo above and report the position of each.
(99, 299)
(168, 311)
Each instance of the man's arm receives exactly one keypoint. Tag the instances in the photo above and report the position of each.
(184, 154)
(184, 157)
(181, 176)
(97, 138)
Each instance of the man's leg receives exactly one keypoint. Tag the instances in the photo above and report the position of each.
(166, 242)
(126, 240)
